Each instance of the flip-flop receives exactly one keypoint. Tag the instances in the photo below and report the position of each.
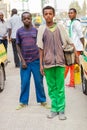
(44, 104)
(20, 106)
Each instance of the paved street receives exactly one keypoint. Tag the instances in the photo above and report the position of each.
(33, 117)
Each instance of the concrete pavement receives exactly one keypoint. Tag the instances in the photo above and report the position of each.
(33, 117)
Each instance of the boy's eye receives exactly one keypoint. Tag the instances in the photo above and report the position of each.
(48, 13)
(26, 18)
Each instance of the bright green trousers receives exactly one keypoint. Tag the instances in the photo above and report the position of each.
(56, 89)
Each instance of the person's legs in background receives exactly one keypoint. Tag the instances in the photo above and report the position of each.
(16, 58)
(71, 82)
(5, 42)
(66, 71)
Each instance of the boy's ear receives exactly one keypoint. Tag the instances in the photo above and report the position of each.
(22, 19)
(43, 15)
(54, 14)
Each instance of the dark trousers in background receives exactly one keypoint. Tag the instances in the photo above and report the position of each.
(16, 58)
(5, 42)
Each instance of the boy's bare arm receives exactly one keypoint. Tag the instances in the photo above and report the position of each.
(82, 41)
(24, 65)
(9, 35)
(41, 61)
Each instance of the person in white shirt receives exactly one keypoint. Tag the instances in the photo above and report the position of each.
(75, 33)
(14, 24)
(3, 30)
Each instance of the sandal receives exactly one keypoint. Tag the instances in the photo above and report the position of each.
(21, 106)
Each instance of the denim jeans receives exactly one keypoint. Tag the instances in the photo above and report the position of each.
(34, 68)
(5, 42)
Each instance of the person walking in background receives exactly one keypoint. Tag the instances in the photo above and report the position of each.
(29, 57)
(75, 33)
(3, 30)
(14, 24)
(52, 62)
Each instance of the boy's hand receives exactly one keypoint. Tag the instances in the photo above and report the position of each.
(24, 65)
(77, 60)
(42, 70)
(4, 37)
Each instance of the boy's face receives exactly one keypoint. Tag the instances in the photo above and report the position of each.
(48, 15)
(26, 19)
(71, 14)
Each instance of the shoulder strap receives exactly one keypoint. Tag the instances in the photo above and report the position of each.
(60, 34)
(40, 35)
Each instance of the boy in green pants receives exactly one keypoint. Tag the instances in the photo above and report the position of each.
(52, 62)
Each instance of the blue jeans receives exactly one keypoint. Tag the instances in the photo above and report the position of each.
(33, 67)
